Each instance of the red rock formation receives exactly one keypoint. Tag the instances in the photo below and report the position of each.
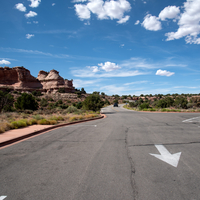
(20, 78)
(52, 81)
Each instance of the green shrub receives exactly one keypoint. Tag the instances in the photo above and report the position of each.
(43, 122)
(93, 102)
(71, 109)
(6, 101)
(36, 93)
(61, 90)
(143, 106)
(37, 117)
(18, 124)
(44, 102)
(181, 102)
(26, 101)
(79, 105)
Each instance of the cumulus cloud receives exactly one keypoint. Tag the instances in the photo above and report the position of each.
(34, 3)
(4, 62)
(164, 73)
(137, 22)
(20, 7)
(31, 14)
(104, 10)
(82, 11)
(170, 12)
(29, 36)
(123, 20)
(151, 23)
(189, 23)
(108, 66)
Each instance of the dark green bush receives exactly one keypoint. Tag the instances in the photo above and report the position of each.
(6, 101)
(93, 102)
(44, 102)
(180, 102)
(26, 102)
(143, 106)
(61, 90)
(36, 93)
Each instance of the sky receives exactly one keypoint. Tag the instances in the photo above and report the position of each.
(124, 47)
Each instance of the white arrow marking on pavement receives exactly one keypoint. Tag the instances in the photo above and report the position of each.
(2, 197)
(166, 156)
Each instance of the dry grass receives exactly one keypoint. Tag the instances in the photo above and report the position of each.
(14, 120)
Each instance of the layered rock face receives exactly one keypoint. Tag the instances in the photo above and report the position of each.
(19, 78)
(52, 81)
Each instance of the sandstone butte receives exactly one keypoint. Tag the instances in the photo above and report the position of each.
(20, 79)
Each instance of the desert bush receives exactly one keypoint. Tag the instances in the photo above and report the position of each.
(6, 101)
(36, 93)
(32, 121)
(43, 122)
(26, 101)
(18, 124)
(4, 127)
(37, 117)
(133, 104)
(143, 106)
(93, 102)
(71, 109)
(44, 102)
(79, 105)
(61, 90)
(180, 102)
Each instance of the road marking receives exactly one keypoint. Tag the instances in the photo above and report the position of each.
(166, 156)
(191, 119)
(114, 109)
(2, 197)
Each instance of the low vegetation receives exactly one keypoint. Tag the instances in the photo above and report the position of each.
(172, 103)
(31, 108)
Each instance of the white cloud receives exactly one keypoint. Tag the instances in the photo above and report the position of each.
(164, 73)
(28, 36)
(82, 11)
(94, 68)
(104, 10)
(189, 23)
(78, 83)
(137, 82)
(151, 23)
(34, 3)
(53, 4)
(123, 20)
(35, 22)
(170, 12)
(78, 1)
(108, 66)
(20, 7)
(5, 62)
(31, 14)
(114, 89)
(137, 22)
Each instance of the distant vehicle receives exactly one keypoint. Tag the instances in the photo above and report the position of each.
(115, 105)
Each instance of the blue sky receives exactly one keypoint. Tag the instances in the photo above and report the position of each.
(115, 46)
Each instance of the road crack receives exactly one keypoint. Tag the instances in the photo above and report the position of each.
(133, 184)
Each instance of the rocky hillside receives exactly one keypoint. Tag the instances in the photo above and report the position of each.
(20, 79)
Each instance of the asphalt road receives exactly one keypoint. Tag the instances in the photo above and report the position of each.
(107, 159)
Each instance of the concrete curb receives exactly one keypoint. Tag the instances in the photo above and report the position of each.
(11, 141)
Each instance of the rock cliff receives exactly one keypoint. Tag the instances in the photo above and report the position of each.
(19, 78)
